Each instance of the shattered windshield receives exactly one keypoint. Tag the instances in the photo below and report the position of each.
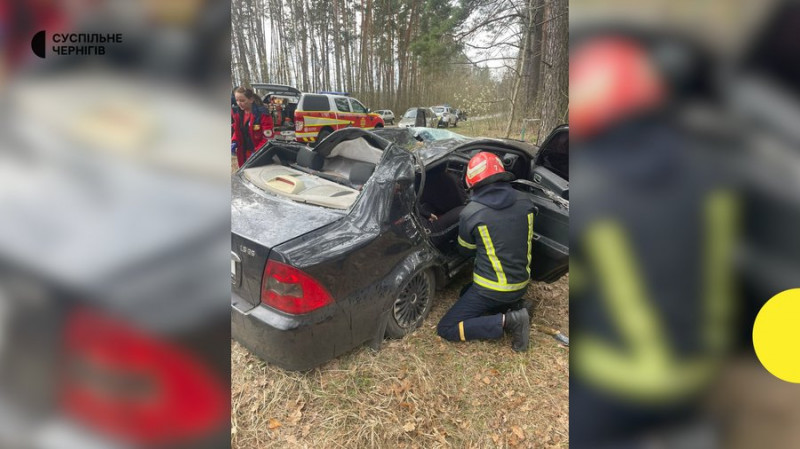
(432, 134)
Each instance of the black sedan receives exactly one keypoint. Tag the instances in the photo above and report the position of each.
(346, 243)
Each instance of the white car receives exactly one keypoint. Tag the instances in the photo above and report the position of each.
(419, 117)
(447, 116)
(386, 115)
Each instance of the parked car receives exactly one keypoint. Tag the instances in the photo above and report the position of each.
(329, 250)
(386, 115)
(447, 116)
(318, 115)
(418, 116)
(315, 116)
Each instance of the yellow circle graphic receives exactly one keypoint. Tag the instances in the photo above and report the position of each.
(776, 335)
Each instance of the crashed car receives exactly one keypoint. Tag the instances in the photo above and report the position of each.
(550, 163)
(330, 247)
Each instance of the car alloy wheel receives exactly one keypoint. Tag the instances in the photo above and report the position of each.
(411, 305)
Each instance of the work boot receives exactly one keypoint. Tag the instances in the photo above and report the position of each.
(519, 326)
(524, 304)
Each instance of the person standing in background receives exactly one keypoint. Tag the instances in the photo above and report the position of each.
(253, 128)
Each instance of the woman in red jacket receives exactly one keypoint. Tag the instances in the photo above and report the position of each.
(254, 127)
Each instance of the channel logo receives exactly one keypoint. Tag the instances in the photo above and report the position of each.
(74, 44)
(38, 43)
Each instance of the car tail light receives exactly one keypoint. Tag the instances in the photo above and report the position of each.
(288, 289)
(298, 125)
(132, 386)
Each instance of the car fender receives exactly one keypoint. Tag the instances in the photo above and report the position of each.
(422, 259)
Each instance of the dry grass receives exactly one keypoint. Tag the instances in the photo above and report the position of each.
(417, 392)
(495, 126)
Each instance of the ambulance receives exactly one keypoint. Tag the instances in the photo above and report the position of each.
(320, 114)
(310, 117)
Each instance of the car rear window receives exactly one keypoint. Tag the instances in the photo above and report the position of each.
(316, 103)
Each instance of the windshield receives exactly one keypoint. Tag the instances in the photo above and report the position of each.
(431, 134)
(411, 113)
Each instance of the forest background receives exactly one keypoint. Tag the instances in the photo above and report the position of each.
(503, 59)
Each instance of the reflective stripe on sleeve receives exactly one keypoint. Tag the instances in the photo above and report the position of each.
(466, 244)
(487, 243)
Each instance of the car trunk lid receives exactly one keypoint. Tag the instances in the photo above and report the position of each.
(259, 222)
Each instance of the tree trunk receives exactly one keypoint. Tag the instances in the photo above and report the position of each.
(348, 46)
(242, 57)
(337, 43)
(552, 101)
(521, 61)
(532, 68)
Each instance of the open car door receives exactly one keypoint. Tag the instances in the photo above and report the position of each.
(550, 167)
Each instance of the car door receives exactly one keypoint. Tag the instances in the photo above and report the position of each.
(360, 118)
(343, 111)
(421, 118)
(431, 119)
(550, 167)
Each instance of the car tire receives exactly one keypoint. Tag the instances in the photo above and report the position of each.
(322, 134)
(455, 124)
(411, 305)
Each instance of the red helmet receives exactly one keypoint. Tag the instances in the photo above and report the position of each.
(611, 79)
(482, 166)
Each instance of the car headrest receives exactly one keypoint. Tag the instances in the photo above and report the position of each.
(310, 159)
(360, 172)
